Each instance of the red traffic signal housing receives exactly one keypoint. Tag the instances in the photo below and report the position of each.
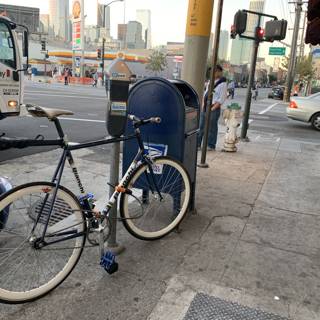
(98, 53)
(240, 22)
(259, 33)
(313, 9)
(233, 32)
(313, 32)
(313, 28)
(276, 30)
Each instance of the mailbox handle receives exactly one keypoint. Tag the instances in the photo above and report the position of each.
(140, 122)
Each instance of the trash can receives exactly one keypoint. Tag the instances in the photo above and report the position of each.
(177, 103)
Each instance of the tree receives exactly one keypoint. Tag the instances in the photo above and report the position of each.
(272, 78)
(157, 62)
(304, 67)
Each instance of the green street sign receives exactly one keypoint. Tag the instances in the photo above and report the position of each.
(277, 51)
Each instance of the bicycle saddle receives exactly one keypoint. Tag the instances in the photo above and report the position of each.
(37, 111)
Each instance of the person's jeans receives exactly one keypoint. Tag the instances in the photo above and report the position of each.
(213, 128)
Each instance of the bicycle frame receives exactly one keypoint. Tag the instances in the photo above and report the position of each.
(141, 156)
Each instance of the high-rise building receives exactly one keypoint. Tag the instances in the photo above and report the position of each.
(23, 15)
(122, 31)
(134, 35)
(44, 23)
(258, 6)
(59, 17)
(144, 17)
(223, 45)
(237, 51)
(103, 11)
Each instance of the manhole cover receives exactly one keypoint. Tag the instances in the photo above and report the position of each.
(204, 307)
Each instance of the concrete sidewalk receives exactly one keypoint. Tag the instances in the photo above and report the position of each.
(255, 240)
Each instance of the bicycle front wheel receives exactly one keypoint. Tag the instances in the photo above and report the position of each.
(29, 268)
(157, 200)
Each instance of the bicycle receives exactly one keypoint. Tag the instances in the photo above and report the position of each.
(46, 225)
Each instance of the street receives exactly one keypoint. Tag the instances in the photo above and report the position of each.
(87, 123)
(253, 241)
(89, 107)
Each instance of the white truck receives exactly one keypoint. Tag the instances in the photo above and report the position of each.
(11, 67)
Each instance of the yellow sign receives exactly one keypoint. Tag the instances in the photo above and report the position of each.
(199, 18)
(76, 10)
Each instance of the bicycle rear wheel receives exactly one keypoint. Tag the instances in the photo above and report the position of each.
(148, 215)
(29, 271)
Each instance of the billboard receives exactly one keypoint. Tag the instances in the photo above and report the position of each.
(77, 7)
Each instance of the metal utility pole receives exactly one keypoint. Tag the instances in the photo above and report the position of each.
(82, 39)
(293, 55)
(302, 36)
(247, 107)
(102, 59)
(203, 163)
(196, 46)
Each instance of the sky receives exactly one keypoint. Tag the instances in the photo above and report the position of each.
(169, 16)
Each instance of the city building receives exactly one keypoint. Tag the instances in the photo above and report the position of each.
(23, 15)
(122, 31)
(44, 23)
(144, 17)
(59, 18)
(91, 33)
(223, 45)
(175, 48)
(238, 47)
(134, 35)
(258, 6)
(103, 17)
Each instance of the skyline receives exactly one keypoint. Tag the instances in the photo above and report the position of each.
(173, 30)
(175, 18)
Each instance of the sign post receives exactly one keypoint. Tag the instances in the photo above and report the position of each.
(78, 31)
(277, 51)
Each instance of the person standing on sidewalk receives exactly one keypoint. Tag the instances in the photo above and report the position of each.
(219, 97)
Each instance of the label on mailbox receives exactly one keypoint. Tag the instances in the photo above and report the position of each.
(118, 108)
(156, 150)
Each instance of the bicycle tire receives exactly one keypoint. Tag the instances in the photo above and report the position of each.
(67, 209)
(174, 218)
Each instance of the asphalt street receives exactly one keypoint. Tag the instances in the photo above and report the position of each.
(89, 107)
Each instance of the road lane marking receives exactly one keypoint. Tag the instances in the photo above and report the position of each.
(83, 120)
(269, 108)
(73, 119)
(65, 96)
(265, 110)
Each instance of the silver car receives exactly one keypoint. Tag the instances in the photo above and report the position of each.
(306, 109)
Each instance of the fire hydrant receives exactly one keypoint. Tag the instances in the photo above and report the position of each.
(232, 117)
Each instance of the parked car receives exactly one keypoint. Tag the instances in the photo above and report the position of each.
(276, 93)
(306, 109)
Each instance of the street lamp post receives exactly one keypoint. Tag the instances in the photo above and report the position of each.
(103, 39)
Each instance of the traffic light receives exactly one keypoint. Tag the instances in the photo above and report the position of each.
(313, 34)
(43, 45)
(313, 9)
(240, 22)
(259, 33)
(99, 53)
(276, 30)
(233, 33)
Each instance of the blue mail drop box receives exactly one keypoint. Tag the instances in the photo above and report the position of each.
(177, 104)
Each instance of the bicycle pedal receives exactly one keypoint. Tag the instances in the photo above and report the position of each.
(108, 262)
